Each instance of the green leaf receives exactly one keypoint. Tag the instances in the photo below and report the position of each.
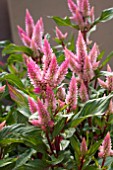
(92, 168)
(55, 160)
(12, 48)
(12, 78)
(106, 60)
(24, 158)
(36, 164)
(99, 107)
(20, 99)
(15, 58)
(6, 162)
(4, 43)
(64, 22)
(94, 148)
(75, 145)
(106, 15)
(58, 127)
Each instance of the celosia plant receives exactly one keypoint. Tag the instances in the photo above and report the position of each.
(60, 113)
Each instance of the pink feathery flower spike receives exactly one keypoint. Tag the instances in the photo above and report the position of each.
(61, 94)
(81, 50)
(48, 53)
(23, 36)
(50, 101)
(34, 73)
(60, 35)
(50, 75)
(83, 147)
(79, 4)
(78, 19)
(92, 16)
(105, 149)
(109, 79)
(102, 83)
(108, 84)
(85, 8)
(2, 89)
(71, 97)
(2, 125)
(26, 40)
(38, 33)
(73, 64)
(83, 92)
(62, 71)
(32, 105)
(88, 70)
(72, 6)
(94, 52)
(45, 120)
(29, 24)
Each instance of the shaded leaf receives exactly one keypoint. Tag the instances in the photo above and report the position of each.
(12, 48)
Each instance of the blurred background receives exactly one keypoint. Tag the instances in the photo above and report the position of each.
(12, 13)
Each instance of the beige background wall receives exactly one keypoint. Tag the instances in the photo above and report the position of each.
(103, 36)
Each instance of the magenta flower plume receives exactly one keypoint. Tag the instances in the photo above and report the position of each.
(29, 24)
(71, 97)
(83, 147)
(38, 34)
(83, 92)
(50, 76)
(34, 73)
(50, 100)
(60, 35)
(72, 6)
(105, 149)
(62, 71)
(32, 105)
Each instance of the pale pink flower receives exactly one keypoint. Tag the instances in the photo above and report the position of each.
(105, 149)
(83, 92)
(32, 105)
(26, 40)
(50, 101)
(102, 83)
(83, 147)
(60, 35)
(29, 24)
(2, 125)
(71, 97)
(2, 89)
